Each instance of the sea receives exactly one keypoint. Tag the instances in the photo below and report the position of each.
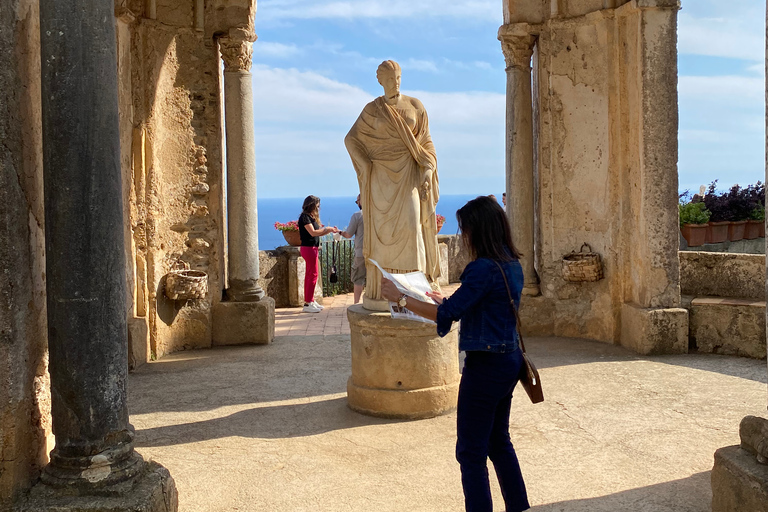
(336, 211)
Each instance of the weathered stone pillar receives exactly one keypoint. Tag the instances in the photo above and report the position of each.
(247, 316)
(242, 217)
(85, 271)
(518, 50)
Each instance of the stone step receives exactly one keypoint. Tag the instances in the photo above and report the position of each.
(729, 326)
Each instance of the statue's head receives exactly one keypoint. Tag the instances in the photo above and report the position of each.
(389, 74)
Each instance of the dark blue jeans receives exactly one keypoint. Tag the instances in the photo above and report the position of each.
(485, 395)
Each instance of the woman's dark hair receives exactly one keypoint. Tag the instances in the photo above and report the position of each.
(485, 229)
(310, 207)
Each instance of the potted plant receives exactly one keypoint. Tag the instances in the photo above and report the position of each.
(756, 224)
(694, 217)
(290, 232)
(717, 204)
(739, 207)
(440, 221)
(755, 196)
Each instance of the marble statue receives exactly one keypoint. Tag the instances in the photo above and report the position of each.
(396, 166)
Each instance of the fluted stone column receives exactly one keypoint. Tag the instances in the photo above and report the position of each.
(86, 284)
(248, 316)
(243, 248)
(518, 50)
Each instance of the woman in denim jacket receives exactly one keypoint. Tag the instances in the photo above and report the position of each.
(492, 365)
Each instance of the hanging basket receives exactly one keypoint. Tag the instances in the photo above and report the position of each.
(581, 267)
(186, 284)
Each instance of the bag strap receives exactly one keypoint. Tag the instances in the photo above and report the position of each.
(333, 251)
(514, 308)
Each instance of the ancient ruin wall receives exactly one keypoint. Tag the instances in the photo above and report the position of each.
(175, 177)
(24, 384)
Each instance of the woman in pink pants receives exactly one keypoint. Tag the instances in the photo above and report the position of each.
(310, 231)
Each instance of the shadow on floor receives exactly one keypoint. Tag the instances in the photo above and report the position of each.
(201, 380)
(267, 422)
(558, 352)
(692, 494)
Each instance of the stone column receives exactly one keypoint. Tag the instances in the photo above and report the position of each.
(242, 218)
(85, 270)
(248, 316)
(518, 50)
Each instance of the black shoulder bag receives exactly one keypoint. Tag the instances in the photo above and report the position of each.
(529, 375)
(334, 277)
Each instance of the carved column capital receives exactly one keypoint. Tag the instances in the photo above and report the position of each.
(237, 50)
(518, 50)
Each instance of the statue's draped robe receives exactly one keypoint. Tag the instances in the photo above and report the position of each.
(400, 225)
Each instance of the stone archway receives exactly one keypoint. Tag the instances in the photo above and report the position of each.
(604, 105)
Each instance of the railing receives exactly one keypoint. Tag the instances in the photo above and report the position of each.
(345, 256)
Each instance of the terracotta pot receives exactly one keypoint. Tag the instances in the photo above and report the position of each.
(752, 229)
(717, 232)
(292, 237)
(694, 234)
(736, 230)
(762, 229)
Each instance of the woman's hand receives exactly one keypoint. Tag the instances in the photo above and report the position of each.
(389, 291)
(436, 296)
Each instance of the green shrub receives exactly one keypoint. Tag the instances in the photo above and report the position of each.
(758, 213)
(693, 213)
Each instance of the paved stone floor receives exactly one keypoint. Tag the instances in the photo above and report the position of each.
(266, 428)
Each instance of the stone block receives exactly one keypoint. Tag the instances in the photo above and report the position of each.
(654, 331)
(401, 368)
(138, 342)
(537, 316)
(458, 256)
(443, 280)
(739, 482)
(728, 326)
(152, 491)
(240, 323)
(713, 274)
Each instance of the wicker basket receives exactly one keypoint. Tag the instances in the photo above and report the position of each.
(186, 284)
(580, 267)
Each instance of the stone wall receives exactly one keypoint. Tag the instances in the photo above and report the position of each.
(24, 384)
(714, 274)
(172, 126)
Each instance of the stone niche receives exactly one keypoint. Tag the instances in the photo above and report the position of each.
(604, 96)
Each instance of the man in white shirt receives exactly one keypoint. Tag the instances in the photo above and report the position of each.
(355, 229)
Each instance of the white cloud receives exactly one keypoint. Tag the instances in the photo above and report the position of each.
(737, 35)
(420, 65)
(278, 10)
(275, 50)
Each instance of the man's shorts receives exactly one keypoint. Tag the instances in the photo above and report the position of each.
(358, 271)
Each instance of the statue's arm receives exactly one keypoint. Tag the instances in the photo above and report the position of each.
(358, 154)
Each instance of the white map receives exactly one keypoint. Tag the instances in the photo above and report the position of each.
(413, 284)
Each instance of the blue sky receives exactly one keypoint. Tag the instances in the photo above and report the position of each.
(315, 68)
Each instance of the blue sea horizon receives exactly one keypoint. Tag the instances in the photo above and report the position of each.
(336, 211)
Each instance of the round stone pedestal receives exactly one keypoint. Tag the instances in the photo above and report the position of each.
(401, 368)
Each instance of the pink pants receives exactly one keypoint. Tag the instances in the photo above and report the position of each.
(311, 256)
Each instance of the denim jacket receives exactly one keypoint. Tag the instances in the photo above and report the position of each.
(482, 305)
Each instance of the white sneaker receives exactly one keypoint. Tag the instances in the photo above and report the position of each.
(318, 306)
(310, 308)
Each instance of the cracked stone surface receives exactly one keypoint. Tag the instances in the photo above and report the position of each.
(268, 428)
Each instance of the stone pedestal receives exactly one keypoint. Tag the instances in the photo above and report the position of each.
(740, 475)
(152, 491)
(401, 368)
(241, 323)
(654, 331)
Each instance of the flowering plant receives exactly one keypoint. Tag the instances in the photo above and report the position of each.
(440, 220)
(288, 226)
